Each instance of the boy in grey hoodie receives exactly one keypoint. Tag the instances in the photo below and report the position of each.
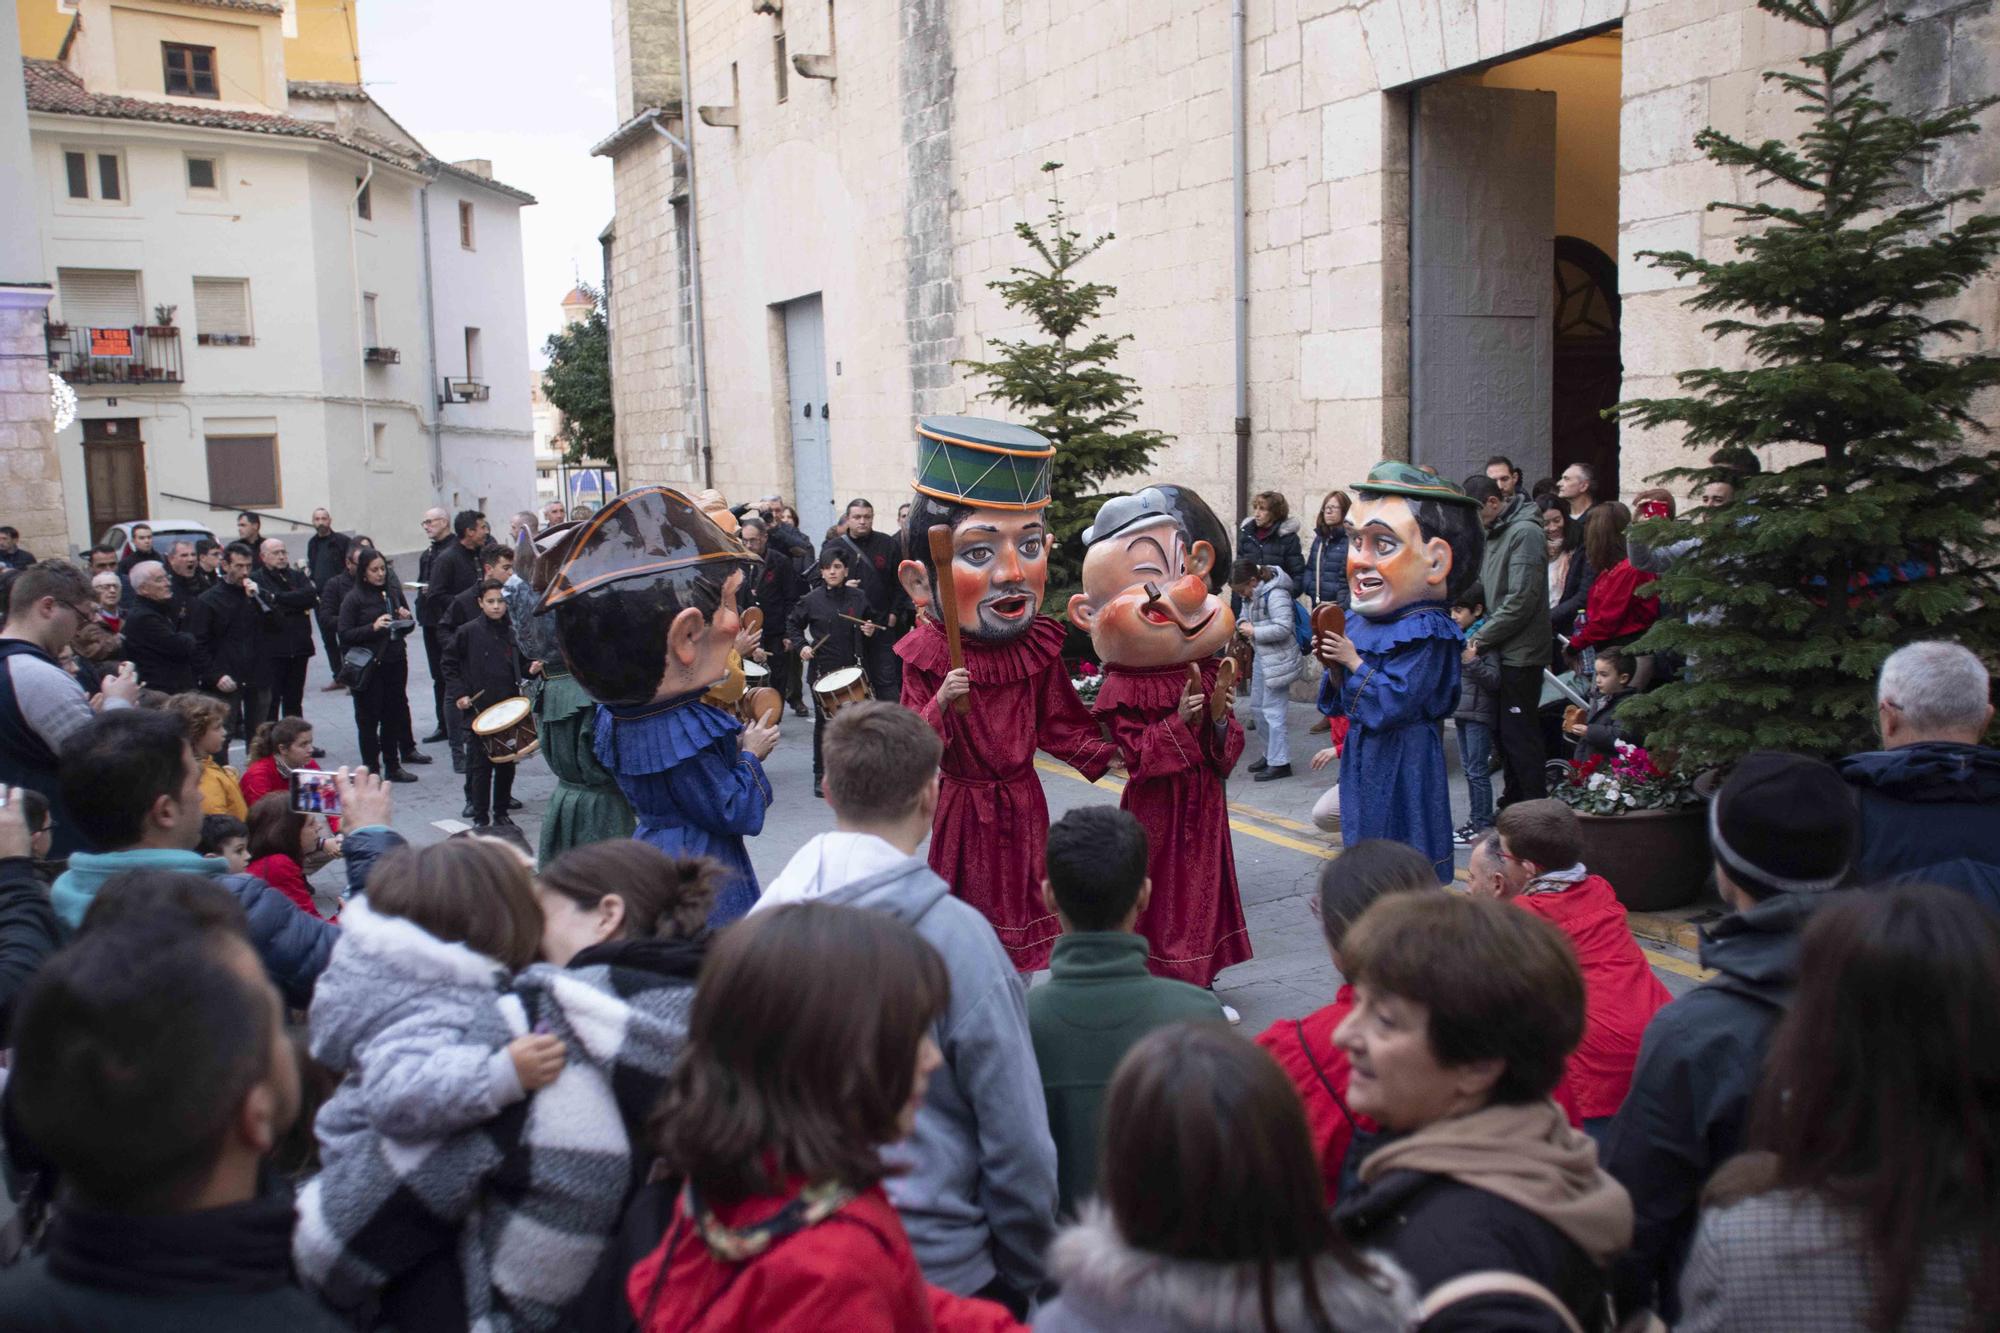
(979, 1196)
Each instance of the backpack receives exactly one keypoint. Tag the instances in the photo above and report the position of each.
(1302, 625)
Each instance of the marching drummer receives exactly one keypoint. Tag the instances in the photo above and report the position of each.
(483, 667)
(830, 621)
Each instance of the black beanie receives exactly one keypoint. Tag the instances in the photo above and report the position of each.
(1784, 823)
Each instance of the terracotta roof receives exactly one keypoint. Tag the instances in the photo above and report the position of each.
(247, 6)
(578, 296)
(317, 90)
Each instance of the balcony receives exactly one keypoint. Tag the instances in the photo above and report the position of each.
(225, 340)
(466, 391)
(382, 356)
(138, 355)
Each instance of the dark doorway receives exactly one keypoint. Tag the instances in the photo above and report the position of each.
(114, 472)
(1587, 365)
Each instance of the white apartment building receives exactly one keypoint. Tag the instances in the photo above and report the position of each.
(268, 295)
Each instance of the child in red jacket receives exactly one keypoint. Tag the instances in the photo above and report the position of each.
(792, 1082)
(280, 841)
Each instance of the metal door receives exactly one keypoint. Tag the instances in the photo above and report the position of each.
(805, 375)
(114, 473)
(1482, 236)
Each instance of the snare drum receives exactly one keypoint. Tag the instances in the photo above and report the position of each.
(507, 730)
(836, 689)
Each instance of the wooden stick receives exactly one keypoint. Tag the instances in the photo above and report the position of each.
(947, 598)
(856, 619)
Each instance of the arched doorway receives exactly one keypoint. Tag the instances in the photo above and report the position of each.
(1587, 364)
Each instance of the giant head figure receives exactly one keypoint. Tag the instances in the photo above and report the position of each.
(1414, 538)
(988, 482)
(1151, 577)
(645, 597)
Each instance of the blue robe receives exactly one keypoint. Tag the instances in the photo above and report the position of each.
(694, 790)
(1392, 775)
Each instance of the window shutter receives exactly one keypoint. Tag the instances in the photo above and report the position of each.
(222, 306)
(97, 298)
(242, 470)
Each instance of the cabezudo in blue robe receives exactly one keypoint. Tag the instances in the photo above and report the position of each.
(1392, 774)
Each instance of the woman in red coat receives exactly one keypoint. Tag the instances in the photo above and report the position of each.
(280, 840)
(792, 1082)
(1621, 605)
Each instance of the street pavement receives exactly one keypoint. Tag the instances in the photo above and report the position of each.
(1279, 854)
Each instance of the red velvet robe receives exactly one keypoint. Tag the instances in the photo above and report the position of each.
(1194, 924)
(992, 821)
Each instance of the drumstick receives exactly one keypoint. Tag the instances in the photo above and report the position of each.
(856, 619)
(947, 597)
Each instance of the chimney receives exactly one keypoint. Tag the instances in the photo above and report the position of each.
(481, 167)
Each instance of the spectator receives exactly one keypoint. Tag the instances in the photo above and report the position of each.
(1598, 730)
(437, 529)
(1570, 574)
(979, 1197)
(1539, 854)
(454, 568)
(367, 620)
(102, 559)
(1477, 715)
(1210, 1220)
(1465, 1011)
(207, 563)
(280, 840)
(1501, 471)
(97, 640)
(1099, 999)
(131, 785)
(1515, 576)
(1304, 1047)
(277, 750)
(29, 932)
(332, 594)
(1269, 626)
(876, 558)
(163, 654)
(1873, 1199)
(523, 527)
(250, 529)
(157, 1021)
(1622, 604)
(482, 666)
(226, 838)
(792, 1086)
(228, 627)
(109, 592)
(203, 719)
(1732, 465)
(41, 705)
(1930, 797)
(776, 588)
(287, 645)
(1577, 488)
(139, 546)
(11, 553)
(1783, 830)
(326, 560)
(185, 582)
(1326, 566)
(495, 563)
(1270, 536)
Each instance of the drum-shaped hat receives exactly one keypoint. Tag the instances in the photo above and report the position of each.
(642, 534)
(983, 463)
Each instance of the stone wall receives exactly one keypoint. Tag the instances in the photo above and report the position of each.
(652, 373)
(30, 476)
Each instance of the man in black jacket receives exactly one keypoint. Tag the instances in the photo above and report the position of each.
(437, 527)
(228, 628)
(877, 557)
(11, 554)
(142, 549)
(454, 569)
(169, 1022)
(482, 666)
(1783, 830)
(184, 582)
(497, 563)
(326, 557)
(161, 651)
(775, 587)
(289, 602)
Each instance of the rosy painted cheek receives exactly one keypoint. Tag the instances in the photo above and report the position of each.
(969, 586)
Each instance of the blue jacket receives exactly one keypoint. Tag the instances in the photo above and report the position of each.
(1923, 805)
(1326, 569)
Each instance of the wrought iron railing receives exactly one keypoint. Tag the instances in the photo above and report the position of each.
(137, 355)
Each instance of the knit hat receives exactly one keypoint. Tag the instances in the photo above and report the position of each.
(1784, 823)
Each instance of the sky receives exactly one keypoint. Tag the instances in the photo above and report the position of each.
(526, 84)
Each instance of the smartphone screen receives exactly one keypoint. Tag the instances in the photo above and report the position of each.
(313, 793)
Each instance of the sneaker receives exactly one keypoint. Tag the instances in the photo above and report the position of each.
(1259, 765)
(1464, 835)
(1273, 774)
(1229, 1012)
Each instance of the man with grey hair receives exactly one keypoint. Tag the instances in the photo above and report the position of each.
(1930, 797)
(160, 649)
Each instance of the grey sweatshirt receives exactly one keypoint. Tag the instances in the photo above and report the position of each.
(979, 1198)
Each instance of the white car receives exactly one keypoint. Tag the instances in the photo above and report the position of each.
(166, 531)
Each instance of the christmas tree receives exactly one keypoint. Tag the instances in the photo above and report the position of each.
(1874, 523)
(1066, 386)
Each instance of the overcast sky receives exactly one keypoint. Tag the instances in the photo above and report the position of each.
(526, 84)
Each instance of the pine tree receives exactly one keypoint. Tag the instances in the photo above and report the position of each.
(1066, 385)
(578, 385)
(1879, 529)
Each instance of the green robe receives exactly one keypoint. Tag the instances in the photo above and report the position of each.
(587, 805)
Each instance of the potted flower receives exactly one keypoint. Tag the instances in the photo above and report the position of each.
(1087, 681)
(163, 321)
(1645, 829)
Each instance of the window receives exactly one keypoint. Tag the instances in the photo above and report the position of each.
(190, 70)
(205, 174)
(77, 165)
(371, 322)
(474, 363)
(101, 179)
(109, 182)
(222, 312)
(782, 64)
(378, 447)
(364, 206)
(242, 471)
(465, 224)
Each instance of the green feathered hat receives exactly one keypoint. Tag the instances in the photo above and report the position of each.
(1390, 477)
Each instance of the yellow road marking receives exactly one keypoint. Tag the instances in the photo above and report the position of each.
(1326, 853)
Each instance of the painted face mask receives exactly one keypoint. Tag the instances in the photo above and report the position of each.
(1148, 596)
(989, 482)
(1413, 538)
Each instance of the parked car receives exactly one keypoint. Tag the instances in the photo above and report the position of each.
(166, 531)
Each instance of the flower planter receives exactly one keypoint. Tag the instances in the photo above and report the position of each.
(1654, 859)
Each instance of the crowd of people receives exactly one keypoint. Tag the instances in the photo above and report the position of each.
(477, 1088)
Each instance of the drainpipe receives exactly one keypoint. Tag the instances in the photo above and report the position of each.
(431, 349)
(686, 148)
(1240, 240)
(360, 328)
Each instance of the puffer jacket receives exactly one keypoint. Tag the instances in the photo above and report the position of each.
(1273, 632)
(1479, 689)
(1326, 570)
(1926, 804)
(1277, 547)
